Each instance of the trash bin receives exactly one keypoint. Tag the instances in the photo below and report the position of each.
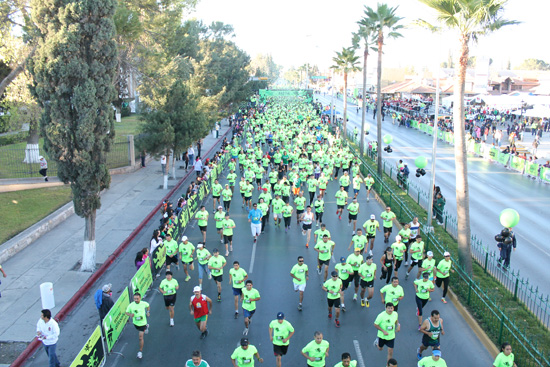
(46, 294)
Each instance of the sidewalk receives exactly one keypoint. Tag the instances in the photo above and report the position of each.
(54, 257)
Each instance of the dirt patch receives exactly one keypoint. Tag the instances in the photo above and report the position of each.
(9, 351)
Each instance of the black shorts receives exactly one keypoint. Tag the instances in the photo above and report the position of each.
(280, 350)
(365, 284)
(345, 283)
(227, 239)
(216, 197)
(170, 300)
(429, 342)
(219, 229)
(299, 211)
(140, 328)
(171, 260)
(388, 343)
(203, 228)
(397, 264)
(333, 302)
(340, 206)
(370, 237)
(414, 262)
(218, 278)
(387, 229)
(323, 262)
(306, 227)
(242, 194)
(352, 216)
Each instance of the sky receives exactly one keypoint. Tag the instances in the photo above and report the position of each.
(295, 32)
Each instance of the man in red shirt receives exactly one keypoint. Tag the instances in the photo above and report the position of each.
(200, 307)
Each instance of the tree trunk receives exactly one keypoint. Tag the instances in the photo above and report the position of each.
(15, 72)
(173, 165)
(379, 103)
(32, 151)
(362, 138)
(167, 168)
(345, 124)
(461, 161)
(89, 250)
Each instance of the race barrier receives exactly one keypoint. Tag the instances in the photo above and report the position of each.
(92, 353)
(116, 319)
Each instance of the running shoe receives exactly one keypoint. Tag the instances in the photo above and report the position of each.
(147, 329)
(330, 315)
(418, 354)
(362, 303)
(307, 245)
(370, 254)
(339, 217)
(203, 335)
(349, 224)
(318, 270)
(255, 240)
(406, 276)
(337, 323)
(368, 199)
(221, 241)
(231, 248)
(303, 233)
(375, 343)
(236, 314)
(140, 355)
(219, 298)
(245, 332)
(419, 327)
(343, 307)
(178, 267)
(227, 253)
(171, 322)
(443, 300)
(367, 303)
(355, 297)
(187, 278)
(299, 307)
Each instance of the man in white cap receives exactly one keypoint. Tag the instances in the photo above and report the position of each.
(200, 307)
(103, 301)
(43, 168)
(434, 360)
(186, 250)
(442, 273)
(371, 226)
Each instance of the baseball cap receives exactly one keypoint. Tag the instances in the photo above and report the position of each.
(354, 199)
(447, 253)
(197, 289)
(342, 259)
(200, 245)
(244, 342)
(220, 207)
(184, 238)
(280, 316)
(398, 238)
(436, 352)
(334, 273)
(372, 216)
(357, 249)
(429, 253)
(107, 287)
(40, 157)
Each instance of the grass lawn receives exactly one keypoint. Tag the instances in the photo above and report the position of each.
(128, 126)
(22, 209)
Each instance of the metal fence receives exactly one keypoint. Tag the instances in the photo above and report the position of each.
(487, 305)
(12, 159)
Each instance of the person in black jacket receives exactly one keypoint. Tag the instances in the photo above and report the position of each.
(103, 301)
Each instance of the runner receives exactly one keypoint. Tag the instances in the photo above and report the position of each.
(216, 264)
(369, 182)
(250, 296)
(196, 360)
(357, 181)
(346, 361)
(358, 241)
(355, 260)
(264, 208)
(416, 250)
(219, 216)
(255, 219)
(243, 356)
(433, 361)
(442, 274)
(505, 358)
(316, 351)
(405, 234)
(367, 272)
(202, 217)
(319, 206)
(371, 226)
(345, 273)
(299, 274)
(287, 215)
(387, 323)
(341, 200)
(200, 306)
(139, 311)
(324, 249)
(216, 193)
(171, 251)
(243, 186)
(249, 189)
(231, 180)
(432, 329)
(280, 332)
(333, 287)
(203, 255)
(319, 233)
(278, 205)
(392, 293)
(300, 203)
(345, 179)
(388, 216)
(387, 261)
(227, 230)
(422, 287)
(168, 288)
(237, 277)
(307, 222)
(415, 228)
(428, 265)
(399, 249)
(353, 209)
(312, 184)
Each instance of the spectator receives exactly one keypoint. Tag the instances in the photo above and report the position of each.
(439, 207)
(197, 166)
(43, 168)
(141, 256)
(103, 301)
(47, 331)
(163, 164)
(190, 154)
(156, 240)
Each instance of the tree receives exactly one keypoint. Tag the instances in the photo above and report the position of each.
(533, 64)
(345, 62)
(73, 69)
(472, 19)
(383, 20)
(366, 35)
(263, 65)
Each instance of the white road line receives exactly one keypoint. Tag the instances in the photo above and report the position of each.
(359, 354)
(118, 355)
(251, 268)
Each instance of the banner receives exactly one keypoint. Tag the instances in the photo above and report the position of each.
(441, 134)
(477, 149)
(429, 129)
(422, 127)
(116, 319)
(517, 163)
(414, 124)
(545, 174)
(470, 145)
(159, 258)
(92, 353)
(493, 153)
(503, 158)
(449, 138)
(532, 169)
(142, 280)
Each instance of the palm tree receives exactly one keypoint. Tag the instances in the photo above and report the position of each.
(471, 19)
(345, 62)
(365, 36)
(382, 20)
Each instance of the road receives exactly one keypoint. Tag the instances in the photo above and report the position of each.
(492, 189)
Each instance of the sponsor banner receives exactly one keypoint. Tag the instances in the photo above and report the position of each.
(116, 319)
(143, 279)
(159, 258)
(517, 163)
(532, 169)
(92, 353)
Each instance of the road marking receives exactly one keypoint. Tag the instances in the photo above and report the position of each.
(118, 355)
(251, 268)
(359, 354)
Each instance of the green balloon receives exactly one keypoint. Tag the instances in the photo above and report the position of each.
(421, 162)
(388, 139)
(509, 218)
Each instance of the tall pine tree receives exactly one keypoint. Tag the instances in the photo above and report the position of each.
(74, 68)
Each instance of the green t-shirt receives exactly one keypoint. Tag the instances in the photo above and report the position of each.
(320, 233)
(443, 268)
(355, 261)
(423, 288)
(344, 181)
(300, 272)
(504, 361)
(202, 256)
(171, 247)
(415, 246)
(352, 363)
(231, 178)
(429, 362)
(227, 194)
(248, 190)
(369, 181)
(357, 182)
(169, 286)
(319, 206)
(287, 211)
(359, 241)
(281, 331)
(367, 271)
(428, 265)
(278, 205)
(341, 197)
(388, 217)
(399, 249)
(317, 351)
(227, 225)
(216, 189)
(202, 216)
(237, 277)
(300, 203)
(371, 226)
(140, 312)
(244, 358)
(216, 262)
(405, 235)
(344, 270)
(322, 182)
(186, 250)
(312, 185)
(247, 296)
(333, 286)
(219, 217)
(353, 208)
(392, 294)
(387, 323)
(325, 249)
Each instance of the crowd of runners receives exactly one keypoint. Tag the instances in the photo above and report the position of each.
(281, 168)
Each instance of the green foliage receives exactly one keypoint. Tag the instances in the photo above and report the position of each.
(13, 138)
(533, 64)
(74, 69)
(346, 61)
(263, 65)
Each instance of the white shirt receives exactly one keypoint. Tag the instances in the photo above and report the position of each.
(162, 159)
(50, 331)
(197, 165)
(190, 151)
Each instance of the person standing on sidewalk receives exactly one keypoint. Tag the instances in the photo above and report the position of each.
(163, 164)
(197, 166)
(104, 301)
(43, 168)
(190, 156)
(139, 311)
(47, 331)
